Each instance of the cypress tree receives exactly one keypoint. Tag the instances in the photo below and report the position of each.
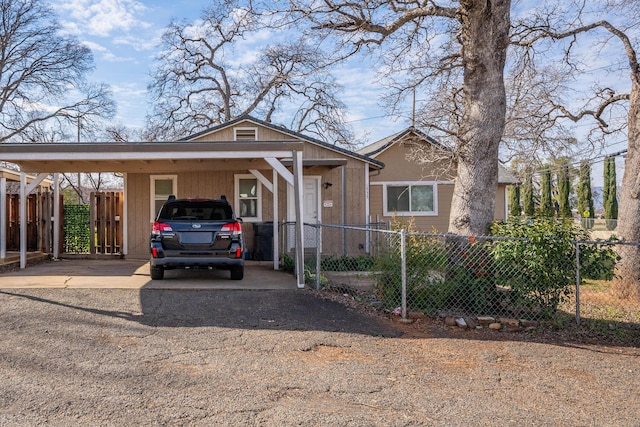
(546, 203)
(610, 193)
(585, 195)
(564, 189)
(528, 204)
(514, 201)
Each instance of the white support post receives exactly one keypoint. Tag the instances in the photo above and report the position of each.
(23, 220)
(125, 218)
(298, 184)
(3, 218)
(276, 226)
(56, 216)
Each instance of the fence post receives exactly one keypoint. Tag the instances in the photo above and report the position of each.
(403, 256)
(577, 283)
(318, 255)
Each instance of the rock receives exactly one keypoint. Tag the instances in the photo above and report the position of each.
(406, 321)
(417, 315)
(513, 329)
(496, 326)
(471, 322)
(509, 322)
(449, 321)
(461, 323)
(528, 323)
(485, 320)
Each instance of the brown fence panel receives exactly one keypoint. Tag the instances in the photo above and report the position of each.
(106, 212)
(39, 224)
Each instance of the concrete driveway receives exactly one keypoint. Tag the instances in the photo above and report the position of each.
(134, 274)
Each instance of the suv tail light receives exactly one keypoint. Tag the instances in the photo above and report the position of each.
(159, 227)
(234, 227)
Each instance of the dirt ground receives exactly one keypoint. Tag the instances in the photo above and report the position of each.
(222, 357)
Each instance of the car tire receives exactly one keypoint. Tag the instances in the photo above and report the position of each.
(157, 273)
(237, 273)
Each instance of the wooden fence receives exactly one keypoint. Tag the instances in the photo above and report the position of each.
(105, 227)
(106, 214)
(39, 222)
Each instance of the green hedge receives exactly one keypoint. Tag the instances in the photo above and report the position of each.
(77, 234)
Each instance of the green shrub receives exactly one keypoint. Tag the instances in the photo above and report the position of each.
(472, 269)
(347, 263)
(77, 235)
(540, 271)
(287, 263)
(425, 262)
(598, 260)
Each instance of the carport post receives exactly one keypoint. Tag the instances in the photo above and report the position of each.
(276, 231)
(23, 220)
(297, 187)
(3, 217)
(56, 216)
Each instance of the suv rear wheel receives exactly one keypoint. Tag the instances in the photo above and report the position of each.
(237, 273)
(157, 273)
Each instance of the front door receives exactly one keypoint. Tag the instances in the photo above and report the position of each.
(310, 211)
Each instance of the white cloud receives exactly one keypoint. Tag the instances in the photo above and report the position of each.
(95, 47)
(100, 17)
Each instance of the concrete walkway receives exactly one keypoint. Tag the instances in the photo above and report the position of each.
(134, 274)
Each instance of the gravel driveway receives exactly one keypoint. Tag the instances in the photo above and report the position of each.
(279, 358)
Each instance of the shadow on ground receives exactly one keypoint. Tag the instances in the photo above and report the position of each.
(272, 309)
(243, 309)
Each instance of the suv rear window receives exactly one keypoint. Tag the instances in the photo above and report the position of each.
(200, 210)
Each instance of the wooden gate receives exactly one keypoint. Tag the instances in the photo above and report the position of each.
(106, 214)
(39, 223)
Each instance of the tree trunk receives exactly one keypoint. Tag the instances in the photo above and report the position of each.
(627, 285)
(485, 37)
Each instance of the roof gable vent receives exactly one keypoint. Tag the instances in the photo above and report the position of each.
(246, 134)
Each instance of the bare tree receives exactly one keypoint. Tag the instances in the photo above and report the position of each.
(441, 42)
(605, 107)
(202, 78)
(42, 73)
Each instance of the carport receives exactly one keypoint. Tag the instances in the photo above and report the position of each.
(46, 159)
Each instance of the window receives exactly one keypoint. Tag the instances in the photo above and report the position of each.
(162, 186)
(246, 134)
(248, 200)
(410, 199)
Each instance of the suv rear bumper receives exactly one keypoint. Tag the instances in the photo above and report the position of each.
(221, 262)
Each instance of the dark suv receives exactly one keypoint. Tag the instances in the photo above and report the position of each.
(197, 233)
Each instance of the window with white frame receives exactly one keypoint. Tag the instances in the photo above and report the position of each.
(248, 198)
(410, 198)
(245, 134)
(162, 186)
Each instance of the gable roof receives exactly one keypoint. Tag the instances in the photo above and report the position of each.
(374, 149)
(378, 147)
(296, 135)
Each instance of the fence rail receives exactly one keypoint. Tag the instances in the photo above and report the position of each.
(470, 275)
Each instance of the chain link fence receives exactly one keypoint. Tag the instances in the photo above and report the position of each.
(451, 275)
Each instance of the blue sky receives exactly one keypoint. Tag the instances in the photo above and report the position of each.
(124, 37)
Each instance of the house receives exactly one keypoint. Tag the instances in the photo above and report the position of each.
(410, 187)
(269, 173)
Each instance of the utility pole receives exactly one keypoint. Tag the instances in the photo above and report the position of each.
(413, 109)
(79, 178)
